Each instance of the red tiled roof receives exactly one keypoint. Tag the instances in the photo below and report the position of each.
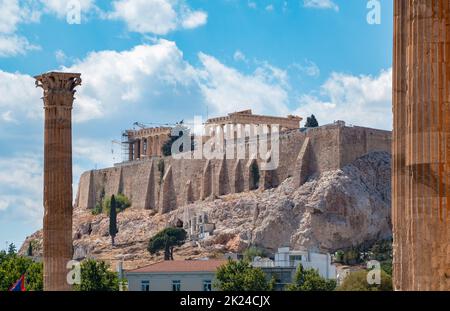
(181, 266)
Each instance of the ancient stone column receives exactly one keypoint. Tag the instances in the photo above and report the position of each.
(59, 90)
(421, 145)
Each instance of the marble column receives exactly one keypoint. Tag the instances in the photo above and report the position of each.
(421, 145)
(59, 90)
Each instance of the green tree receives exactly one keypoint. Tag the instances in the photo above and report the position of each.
(310, 280)
(113, 230)
(253, 252)
(241, 276)
(167, 240)
(12, 267)
(311, 121)
(12, 249)
(122, 203)
(357, 281)
(95, 276)
(30, 250)
(255, 175)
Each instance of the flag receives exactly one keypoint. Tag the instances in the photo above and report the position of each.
(19, 286)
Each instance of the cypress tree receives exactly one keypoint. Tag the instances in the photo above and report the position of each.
(113, 220)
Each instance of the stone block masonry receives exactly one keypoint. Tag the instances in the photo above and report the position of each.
(180, 181)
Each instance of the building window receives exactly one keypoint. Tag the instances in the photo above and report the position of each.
(207, 286)
(145, 286)
(176, 286)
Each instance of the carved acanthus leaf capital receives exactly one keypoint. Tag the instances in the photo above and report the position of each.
(58, 82)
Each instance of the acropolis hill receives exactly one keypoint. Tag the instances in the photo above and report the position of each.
(331, 190)
(302, 154)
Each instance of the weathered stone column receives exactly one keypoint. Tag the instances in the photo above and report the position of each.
(130, 152)
(59, 90)
(421, 145)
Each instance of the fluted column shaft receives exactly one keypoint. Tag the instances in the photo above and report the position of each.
(58, 101)
(421, 145)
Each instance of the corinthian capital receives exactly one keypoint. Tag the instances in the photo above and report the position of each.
(58, 85)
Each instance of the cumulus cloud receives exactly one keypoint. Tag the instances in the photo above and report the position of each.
(95, 151)
(225, 89)
(321, 4)
(61, 8)
(19, 95)
(194, 19)
(156, 16)
(12, 14)
(359, 100)
(21, 175)
(114, 79)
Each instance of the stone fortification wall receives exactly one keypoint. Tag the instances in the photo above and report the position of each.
(164, 184)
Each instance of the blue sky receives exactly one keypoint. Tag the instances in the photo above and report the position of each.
(160, 61)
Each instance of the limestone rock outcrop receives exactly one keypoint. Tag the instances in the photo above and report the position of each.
(330, 211)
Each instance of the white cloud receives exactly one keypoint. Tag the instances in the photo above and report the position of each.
(156, 16)
(7, 116)
(359, 100)
(21, 187)
(12, 14)
(11, 45)
(239, 56)
(95, 151)
(321, 4)
(225, 89)
(19, 95)
(116, 79)
(252, 4)
(194, 19)
(61, 8)
(308, 67)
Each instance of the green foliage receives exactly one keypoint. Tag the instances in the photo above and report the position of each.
(254, 170)
(311, 121)
(253, 252)
(122, 203)
(357, 281)
(95, 276)
(380, 251)
(113, 230)
(241, 276)
(310, 280)
(12, 267)
(30, 250)
(97, 210)
(167, 240)
(12, 249)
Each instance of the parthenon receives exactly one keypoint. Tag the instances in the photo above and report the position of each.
(147, 142)
(247, 117)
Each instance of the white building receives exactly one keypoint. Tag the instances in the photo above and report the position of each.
(286, 258)
(176, 275)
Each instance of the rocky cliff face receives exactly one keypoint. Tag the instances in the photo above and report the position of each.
(334, 210)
